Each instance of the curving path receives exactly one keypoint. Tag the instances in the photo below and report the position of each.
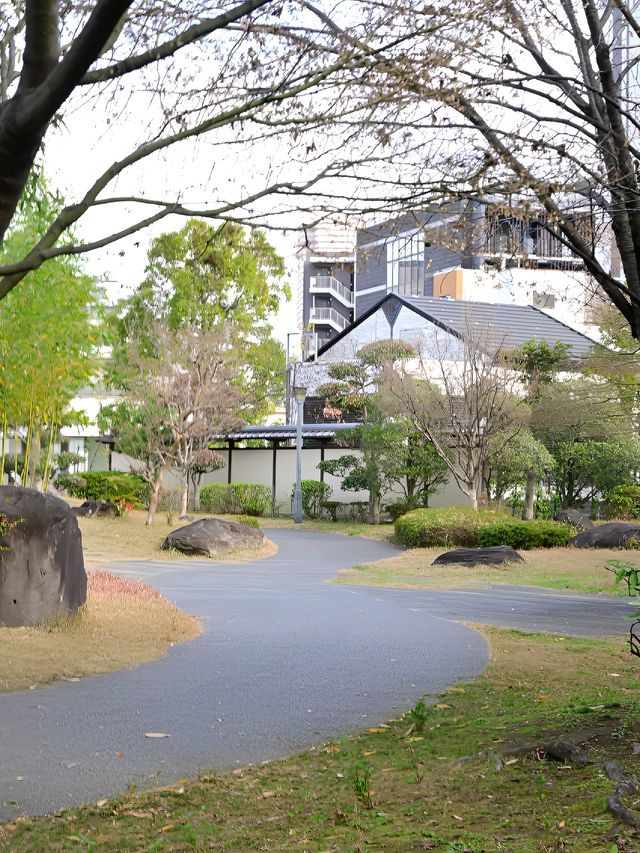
(286, 660)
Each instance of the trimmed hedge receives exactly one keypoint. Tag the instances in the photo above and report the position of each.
(461, 527)
(443, 526)
(113, 486)
(235, 499)
(524, 535)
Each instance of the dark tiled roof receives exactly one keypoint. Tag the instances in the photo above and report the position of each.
(287, 431)
(499, 326)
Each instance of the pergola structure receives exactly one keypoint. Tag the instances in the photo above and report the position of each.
(313, 435)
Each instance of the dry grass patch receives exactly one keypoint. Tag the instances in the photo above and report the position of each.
(123, 623)
(580, 569)
(129, 538)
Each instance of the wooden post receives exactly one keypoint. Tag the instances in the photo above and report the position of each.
(322, 460)
(229, 461)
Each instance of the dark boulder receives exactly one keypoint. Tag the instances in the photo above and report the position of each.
(210, 536)
(98, 508)
(41, 565)
(575, 517)
(479, 556)
(613, 535)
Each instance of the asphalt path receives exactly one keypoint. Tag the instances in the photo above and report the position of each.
(285, 661)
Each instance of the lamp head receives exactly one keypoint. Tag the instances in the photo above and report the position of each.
(299, 393)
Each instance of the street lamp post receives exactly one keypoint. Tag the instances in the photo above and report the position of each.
(299, 393)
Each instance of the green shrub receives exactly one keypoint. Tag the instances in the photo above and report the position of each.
(235, 499)
(117, 487)
(623, 502)
(525, 534)
(249, 520)
(314, 492)
(443, 526)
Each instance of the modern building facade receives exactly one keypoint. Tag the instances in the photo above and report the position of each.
(473, 252)
(327, 261)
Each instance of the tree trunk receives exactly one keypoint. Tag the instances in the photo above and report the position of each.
(374, 507)
(196, 493)
(529, 496)
(153, 500)
(184, 504)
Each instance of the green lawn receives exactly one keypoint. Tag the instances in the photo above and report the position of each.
(428, 781)
(578, 569)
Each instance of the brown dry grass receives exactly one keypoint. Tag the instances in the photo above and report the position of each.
(123, 623)
(129, 538)
(580, 569)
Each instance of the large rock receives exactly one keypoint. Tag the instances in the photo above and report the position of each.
(97, 508)
(612, 535)
(479, 556)
(210, 536)
(41, 569)
(575, 517)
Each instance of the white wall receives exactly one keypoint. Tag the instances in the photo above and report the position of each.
(254, 465)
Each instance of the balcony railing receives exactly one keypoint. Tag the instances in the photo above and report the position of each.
(330, 284)
(328, 317)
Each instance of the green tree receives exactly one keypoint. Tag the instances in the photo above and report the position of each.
(537, 363)
(353, 388)
(213, 279)
(512, 459)
(50, 333)
(590, 433)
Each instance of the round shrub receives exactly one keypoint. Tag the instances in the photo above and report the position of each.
(443, 526)
(314, 493)
(524, 535)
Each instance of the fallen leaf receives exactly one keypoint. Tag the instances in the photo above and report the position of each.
(561, 824)
(168, 827)
(19, 778)
(156, 734)
(119, 754)
(511, 761)
(543, 697)
(370, 752)
(136, 813)
(457, 817)
(378, 729)
(102, 803)
(442, 706)
(614, 674)
(456, 690)
(267, 794)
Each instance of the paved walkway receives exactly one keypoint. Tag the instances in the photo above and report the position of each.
(286, 660)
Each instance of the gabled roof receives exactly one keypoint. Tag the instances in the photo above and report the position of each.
(503, 325)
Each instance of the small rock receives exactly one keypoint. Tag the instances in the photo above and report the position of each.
(211, 536)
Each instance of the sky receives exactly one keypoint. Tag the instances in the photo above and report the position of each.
(88, 141)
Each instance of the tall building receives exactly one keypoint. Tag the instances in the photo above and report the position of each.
(325, 299)
(472, 252)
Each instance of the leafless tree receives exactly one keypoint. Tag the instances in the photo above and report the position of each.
(244, 74)
(463, 399)
(175, 400)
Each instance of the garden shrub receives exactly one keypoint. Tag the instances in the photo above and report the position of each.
(524, 535)
(395, 510)
(444, 526)
(117, 487)
(314, 492)
(235, 499)
(623, 502)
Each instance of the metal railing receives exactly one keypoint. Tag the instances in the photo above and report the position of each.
(330, 284)
(329, 316)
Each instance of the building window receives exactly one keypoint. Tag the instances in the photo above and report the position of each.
(405, 265)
